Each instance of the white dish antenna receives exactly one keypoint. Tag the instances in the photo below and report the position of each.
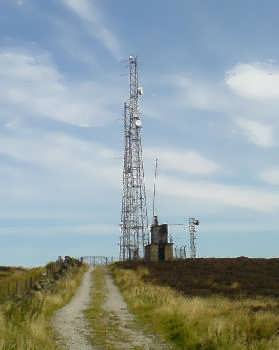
(138, 123)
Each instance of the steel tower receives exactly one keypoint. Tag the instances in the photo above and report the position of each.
(134, 225)
(193, 225)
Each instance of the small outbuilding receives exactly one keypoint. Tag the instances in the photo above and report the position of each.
(160, 248)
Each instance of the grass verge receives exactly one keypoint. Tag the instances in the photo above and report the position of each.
(104, 327)
(201, 323)
(17, 281)
(25, 322)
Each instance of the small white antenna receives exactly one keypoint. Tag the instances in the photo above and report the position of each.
(154, 185)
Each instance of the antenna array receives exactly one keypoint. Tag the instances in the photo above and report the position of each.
(134, 222)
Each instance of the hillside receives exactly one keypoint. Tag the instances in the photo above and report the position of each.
(229, 277)
(220, 304)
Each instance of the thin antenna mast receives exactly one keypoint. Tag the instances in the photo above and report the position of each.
(154, 186)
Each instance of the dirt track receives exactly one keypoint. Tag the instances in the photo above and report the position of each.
(132, 337)
(73, 330)
(70, 323)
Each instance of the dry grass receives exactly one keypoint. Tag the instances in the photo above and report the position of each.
(25, 323)
(236, 277)
(107, 332)
(16, 281)
(104, 330)
(201, 323)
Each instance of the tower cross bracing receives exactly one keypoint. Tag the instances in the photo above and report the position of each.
(134, 223)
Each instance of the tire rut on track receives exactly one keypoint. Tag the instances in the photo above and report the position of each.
(73, 330)
(70, 323)
(131, 336)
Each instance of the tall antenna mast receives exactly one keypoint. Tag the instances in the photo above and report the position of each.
(154, 186)
(134, 223)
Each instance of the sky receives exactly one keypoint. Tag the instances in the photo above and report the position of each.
(210, 73)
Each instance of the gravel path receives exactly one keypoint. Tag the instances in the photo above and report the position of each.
(131, 336)
(70, 323)
(73, 330)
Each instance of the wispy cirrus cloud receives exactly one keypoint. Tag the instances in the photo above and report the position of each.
(54, 155)
(270, 176)
(58, 229)
(52, 177)
(195, 93)
(32, 85)
(91, 15)
(217, 194)
(250, 87)
(185, 161)
(258, 133)
(250, 90)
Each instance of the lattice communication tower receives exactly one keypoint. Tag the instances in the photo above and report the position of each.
(193, 225)
(134, 224)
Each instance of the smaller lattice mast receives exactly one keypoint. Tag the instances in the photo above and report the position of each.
(193, 225)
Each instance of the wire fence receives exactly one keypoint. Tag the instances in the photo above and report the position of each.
(98, 260)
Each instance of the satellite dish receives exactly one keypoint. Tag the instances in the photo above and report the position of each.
(138, 123)
(140, 91)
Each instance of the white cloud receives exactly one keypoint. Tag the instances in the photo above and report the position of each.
(220, 194)
(250, 89)
(73, 42)
(259, 82)
(55, 165)
(257, 133)
(271, 176)
(256, 81)
(58, 229)
(88, 12)
(239, 226)
(182, 161)
(31, 84)
(198, 94)
(58, 152)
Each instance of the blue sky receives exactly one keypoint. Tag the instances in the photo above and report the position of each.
(210, 73)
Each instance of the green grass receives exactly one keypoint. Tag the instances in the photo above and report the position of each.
(201, 323)
(103, 325)
(106, 330)
(25, 322)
